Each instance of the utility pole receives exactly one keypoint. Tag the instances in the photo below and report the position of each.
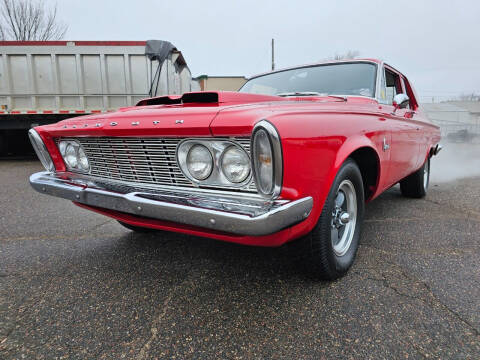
(273, 54)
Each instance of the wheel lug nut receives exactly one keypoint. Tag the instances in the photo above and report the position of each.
(344, 218)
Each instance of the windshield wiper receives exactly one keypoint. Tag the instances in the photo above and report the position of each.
(300, 93)
(344, 98)
(311, 93)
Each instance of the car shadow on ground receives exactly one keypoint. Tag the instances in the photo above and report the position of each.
(163, 250)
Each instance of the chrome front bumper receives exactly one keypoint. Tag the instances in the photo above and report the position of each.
(241, 214)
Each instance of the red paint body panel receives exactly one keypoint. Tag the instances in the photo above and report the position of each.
(317, 134)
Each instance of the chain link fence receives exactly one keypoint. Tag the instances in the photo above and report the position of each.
(456, 126)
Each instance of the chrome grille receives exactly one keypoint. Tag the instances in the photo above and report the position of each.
(141, 160)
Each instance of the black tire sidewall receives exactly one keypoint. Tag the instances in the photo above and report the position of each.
(348, 171)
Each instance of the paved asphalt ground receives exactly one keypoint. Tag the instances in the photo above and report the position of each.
(74, 284)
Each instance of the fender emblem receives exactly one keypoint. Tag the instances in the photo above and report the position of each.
(156, 122)
(385, 145)
(113, 123)
(178, 121)
(135, 123)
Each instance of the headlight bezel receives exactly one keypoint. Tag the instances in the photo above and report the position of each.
(217, 147)
(63, 146)
(277, 158)
(41, 150)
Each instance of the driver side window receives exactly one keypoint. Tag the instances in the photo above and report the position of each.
(391, 86)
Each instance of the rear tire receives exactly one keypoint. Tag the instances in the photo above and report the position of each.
(329, 250)
(416, 185)
(137, 229)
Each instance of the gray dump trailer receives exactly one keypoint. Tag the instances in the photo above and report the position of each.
(44, 82)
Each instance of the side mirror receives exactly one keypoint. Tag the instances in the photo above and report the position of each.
(400, 101)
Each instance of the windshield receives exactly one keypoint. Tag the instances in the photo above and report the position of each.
(330, 79)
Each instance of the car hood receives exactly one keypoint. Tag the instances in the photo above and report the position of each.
(192, 114)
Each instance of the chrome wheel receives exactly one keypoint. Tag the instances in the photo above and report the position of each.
(426, 174)
(344, 218)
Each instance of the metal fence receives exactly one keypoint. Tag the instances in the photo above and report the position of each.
(455, 131)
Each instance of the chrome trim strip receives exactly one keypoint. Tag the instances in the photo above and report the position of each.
(236, 215)
(328, 62)
(154, 187)
(378, 81)
(41, 150)
(277, 157)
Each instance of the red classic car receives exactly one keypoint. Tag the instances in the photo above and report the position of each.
(292, 157)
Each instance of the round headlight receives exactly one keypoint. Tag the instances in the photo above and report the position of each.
(199, 162)
(263, 162)
(62, 145)
(235, 164)
(71, 155)
(83, 160)
(74, 155)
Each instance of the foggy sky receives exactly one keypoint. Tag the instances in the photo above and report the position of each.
(434, 43)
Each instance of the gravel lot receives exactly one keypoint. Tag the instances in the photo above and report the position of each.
(74, 284)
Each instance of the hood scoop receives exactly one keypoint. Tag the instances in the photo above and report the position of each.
(209, 97)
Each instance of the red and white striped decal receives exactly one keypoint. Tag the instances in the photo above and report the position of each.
(18, 112)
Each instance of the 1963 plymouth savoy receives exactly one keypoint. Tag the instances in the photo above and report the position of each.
(292, 157)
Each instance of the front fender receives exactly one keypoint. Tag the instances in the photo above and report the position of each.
(310, 167)
(348, 147)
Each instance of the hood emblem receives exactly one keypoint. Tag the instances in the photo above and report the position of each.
(178, 121)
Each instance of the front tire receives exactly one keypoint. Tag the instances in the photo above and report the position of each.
(329, 250)
(416, 184)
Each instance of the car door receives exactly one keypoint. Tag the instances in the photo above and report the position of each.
(404, 148)
(417, 118)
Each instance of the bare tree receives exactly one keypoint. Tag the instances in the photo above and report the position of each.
(350, 54)
(2, 34)
(29, 20)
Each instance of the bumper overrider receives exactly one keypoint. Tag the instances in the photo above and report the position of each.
(240, 214)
